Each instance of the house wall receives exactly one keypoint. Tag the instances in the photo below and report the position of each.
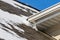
(54, 31)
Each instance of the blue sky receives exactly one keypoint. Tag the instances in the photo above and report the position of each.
(40, 4)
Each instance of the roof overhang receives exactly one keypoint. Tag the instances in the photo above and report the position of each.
(47, 17)
(43, 13)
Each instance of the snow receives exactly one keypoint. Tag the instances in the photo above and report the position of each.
(13, 3)
(20, 6)
(7, 36)
(12, 19)
(9, 17)
(6, 17)
(21, 19)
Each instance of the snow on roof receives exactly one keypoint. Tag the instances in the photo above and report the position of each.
(16, 19)
(14, 3)
(21, 19)
(6, 17)
(7, 36)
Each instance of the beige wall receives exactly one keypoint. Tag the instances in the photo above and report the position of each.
(54, 31)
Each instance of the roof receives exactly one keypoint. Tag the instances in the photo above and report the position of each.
(19, 6)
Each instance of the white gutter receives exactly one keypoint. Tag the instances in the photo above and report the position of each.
(44, 13)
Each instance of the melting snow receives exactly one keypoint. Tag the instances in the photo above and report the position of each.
(13, 3)
(7, 36)
(6, 18)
